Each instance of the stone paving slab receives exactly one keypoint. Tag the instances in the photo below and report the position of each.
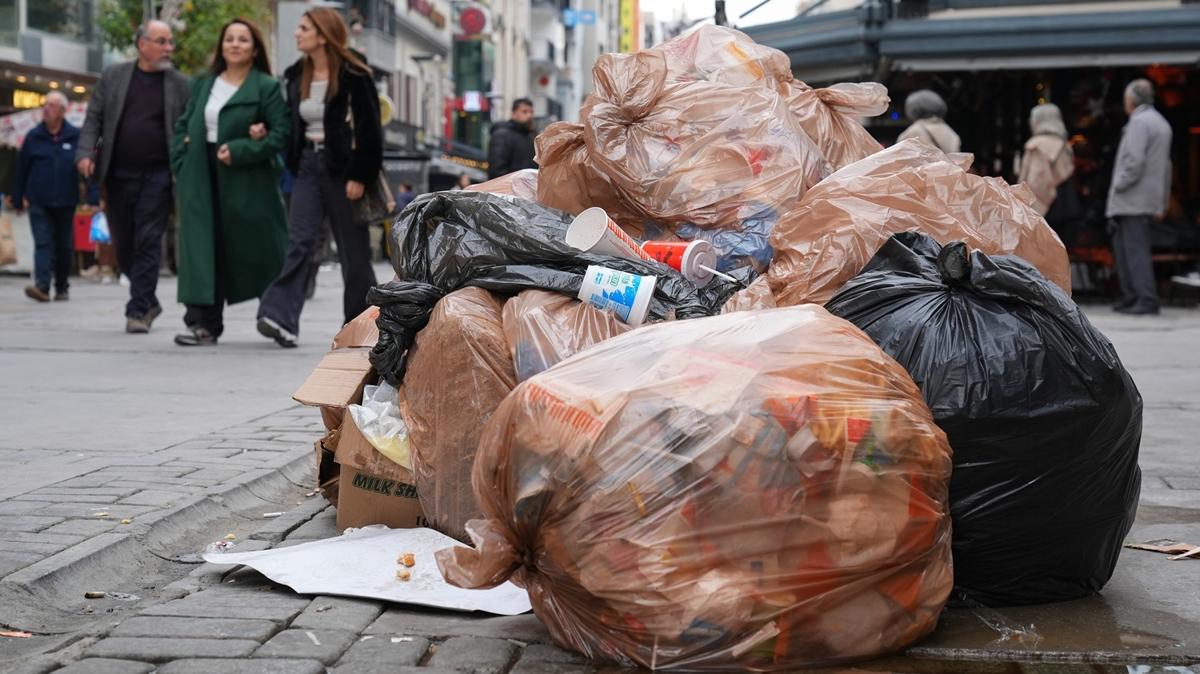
(324, 645)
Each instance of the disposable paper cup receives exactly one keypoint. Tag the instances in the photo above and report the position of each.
(592, 231)
(626, 295)
(686, 257)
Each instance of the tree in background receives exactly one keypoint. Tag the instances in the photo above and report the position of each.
(197, 24)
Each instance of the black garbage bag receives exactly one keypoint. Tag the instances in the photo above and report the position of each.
(444, 241)
(1044, 421)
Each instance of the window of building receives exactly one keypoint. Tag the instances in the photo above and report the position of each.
(66, 18)
(8, 23)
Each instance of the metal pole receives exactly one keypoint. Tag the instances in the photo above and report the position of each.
(147, 10)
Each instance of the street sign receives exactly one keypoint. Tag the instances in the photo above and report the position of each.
(472, 101)
(587, 17)
(570, 17)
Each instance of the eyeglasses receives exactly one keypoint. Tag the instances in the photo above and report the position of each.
(163, 41)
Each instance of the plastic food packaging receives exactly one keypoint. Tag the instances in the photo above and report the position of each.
(1044, 421)
(911, 186)
(626, 295)
(459, 371)
(523, 184)
(593, 231)
(543, 328)
(761, 490)
(448, 240)
(694, 259)
(378, 419)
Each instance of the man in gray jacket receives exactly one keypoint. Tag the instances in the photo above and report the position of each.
(1141, 185)
(124, 144)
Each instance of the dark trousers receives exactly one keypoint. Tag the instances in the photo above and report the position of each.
(317, 195)
(1135, 270)
(54, 246)
(211, 317)
(139, 205)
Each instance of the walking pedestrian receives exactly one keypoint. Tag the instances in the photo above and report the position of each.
(46, 183)
(335, 149)
(233, 228)
(510, 145)
(927, 110)
(1141, 185)
(125, 142)
(1047, 166)
(463, 182)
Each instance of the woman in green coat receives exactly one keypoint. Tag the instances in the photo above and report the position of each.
(233, 228)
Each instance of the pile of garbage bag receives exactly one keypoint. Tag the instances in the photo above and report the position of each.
(714, 471)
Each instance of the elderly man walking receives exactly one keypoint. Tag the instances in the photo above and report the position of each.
(124, 142)
(1141, 185)
(46, 183)
(927, 110)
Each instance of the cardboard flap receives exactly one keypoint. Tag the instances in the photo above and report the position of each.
(338, 379)
(360, 332)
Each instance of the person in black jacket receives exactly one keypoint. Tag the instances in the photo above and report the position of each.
(47, 184)
(511, 145)
(335, 151)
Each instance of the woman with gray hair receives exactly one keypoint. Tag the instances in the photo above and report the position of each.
(1048, 161)
(927, 109)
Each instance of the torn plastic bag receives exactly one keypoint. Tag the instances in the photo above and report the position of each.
(448, 240)
(543, 328)
(755, 297)
(911, 186)
(459, 370)
(759, 490)
(378, 419)
(1044, 421)
(523, 184)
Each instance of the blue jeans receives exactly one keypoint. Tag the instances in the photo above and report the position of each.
(54, 245)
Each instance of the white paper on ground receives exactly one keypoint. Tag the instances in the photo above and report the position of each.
(362, 563)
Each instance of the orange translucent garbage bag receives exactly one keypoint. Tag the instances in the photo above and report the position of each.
(544, 327)
(762, 490)
(458, 372)
(830, 117)
(756, 296)
(523, 184)
(841, 223)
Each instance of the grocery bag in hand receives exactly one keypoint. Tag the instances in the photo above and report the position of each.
(1044, 421)
(762, 489)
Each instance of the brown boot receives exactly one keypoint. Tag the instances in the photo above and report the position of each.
(36, 293)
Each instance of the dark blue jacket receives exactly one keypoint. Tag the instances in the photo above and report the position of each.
(45, 171)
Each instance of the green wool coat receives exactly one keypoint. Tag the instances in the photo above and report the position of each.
(253, 221)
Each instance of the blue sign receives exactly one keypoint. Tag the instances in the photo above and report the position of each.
(570, 17)
(587, 17)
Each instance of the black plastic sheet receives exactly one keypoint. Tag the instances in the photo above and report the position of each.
(448, 240)
(1044, 421)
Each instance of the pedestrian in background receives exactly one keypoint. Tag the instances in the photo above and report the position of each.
(233, 228)
(46, 183)
(927, 111)
(1047, 166)
(510, 145)
(463, 182)
(1141, 185)
(404, 196)
(125, 142)
(335, 149)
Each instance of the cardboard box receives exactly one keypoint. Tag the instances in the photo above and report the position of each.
(371, 488)
(328, 470)
(338, 380)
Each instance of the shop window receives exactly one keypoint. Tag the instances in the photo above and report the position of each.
(8, 23)
(65, 18)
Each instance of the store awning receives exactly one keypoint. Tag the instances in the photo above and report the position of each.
(822, 47)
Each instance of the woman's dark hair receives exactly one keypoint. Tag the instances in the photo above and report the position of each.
(261, 60)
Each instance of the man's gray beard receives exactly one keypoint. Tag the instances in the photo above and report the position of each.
(163, 66)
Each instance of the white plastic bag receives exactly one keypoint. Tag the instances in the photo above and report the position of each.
(378, 419)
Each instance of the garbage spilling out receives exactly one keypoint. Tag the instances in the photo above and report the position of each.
(611, 386)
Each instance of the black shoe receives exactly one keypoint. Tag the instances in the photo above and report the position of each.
(136, 325)
(62, 296)
(273, 330)
(1123, 304)
(196, 337)
(1138, 310)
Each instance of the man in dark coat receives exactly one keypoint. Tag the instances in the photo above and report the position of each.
(125, 144)
(511, 145)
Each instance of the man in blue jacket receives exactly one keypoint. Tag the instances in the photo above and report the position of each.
(47, 184)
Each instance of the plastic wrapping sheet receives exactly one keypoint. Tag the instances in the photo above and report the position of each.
(1044, 420)
(523, 183)
(761, 490)
(842, 223)
(543, 328)
(757, 296)
(459, 371)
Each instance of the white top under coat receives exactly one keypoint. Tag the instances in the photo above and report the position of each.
(312, 111)
(221, 92)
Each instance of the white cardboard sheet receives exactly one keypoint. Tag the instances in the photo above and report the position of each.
(362, 563)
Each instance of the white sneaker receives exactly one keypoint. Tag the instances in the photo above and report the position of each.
(1191, 279)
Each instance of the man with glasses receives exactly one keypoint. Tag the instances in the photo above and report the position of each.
(124, 145)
